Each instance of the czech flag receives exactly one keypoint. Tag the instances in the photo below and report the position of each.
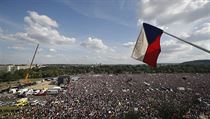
(147, 47)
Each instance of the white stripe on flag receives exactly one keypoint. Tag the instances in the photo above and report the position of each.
(140, 47)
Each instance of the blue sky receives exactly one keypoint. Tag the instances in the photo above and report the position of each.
(89, 32)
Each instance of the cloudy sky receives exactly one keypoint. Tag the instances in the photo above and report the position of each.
(93, 31)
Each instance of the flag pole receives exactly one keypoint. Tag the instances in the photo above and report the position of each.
(187, 42)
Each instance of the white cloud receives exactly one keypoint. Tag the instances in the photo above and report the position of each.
(1, 30)
(187, 19)
(52, 50)
(7, 37)
(16, 47)
(171, 46)
(39, 29)
(205, 29)
(35, 19)
(200, 33)
(164, 12)
(129, 44)
(204, 44)
(48, 56)
(94, 43)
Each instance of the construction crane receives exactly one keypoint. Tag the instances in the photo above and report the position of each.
(27, 81)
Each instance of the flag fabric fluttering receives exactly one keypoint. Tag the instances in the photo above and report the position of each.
(147, 47)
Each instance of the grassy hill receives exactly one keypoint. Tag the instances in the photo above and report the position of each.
(197, 62)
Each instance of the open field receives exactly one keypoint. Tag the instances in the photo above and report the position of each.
(5, 85)
(41, 85)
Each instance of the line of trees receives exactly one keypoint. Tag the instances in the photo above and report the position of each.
(55, 70)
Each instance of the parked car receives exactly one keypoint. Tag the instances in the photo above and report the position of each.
(52, 92)
(22, 102)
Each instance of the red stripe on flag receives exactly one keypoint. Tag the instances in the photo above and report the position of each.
(152, 53)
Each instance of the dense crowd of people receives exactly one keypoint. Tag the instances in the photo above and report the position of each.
(126, 96)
